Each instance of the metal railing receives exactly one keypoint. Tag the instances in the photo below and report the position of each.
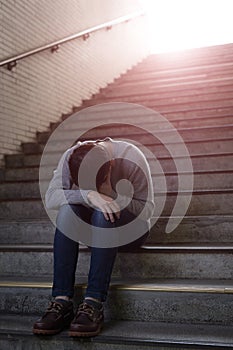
(54, 46)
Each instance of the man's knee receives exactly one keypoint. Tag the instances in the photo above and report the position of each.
(65, 214)
(99, 220)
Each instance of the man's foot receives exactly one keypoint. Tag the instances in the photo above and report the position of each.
(57, 317)
(87, 322)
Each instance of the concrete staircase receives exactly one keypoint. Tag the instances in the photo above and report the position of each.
(177, 291)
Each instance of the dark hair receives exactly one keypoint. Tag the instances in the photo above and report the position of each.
(76, 159)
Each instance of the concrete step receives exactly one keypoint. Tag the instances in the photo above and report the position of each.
(169, 89)
(208, 164)
(221, 148)
(179, 124)
(162, 64)
(179, 301)
(164, 106)
(163, 82)
(123, 335)
(161, 99)
(211, 114)
(142, 137)
(200, 261)
(20, 160)
(188, 134)
(22, 174)
(114, 111)
(207, 51)
(208, 147)
(158, 63)
(123, 128)
(203, 203)
(150, 124)
(194, 230)
(31, 160)
(18, 188)
(174, 105)
(26, 231)
(187, 58)
(103, 114)
(163, 67)
(191, 231)
(27, 209)
(178, 111)
(216, 69)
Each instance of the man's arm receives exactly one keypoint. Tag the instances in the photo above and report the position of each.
(59, 191)
(139, 176)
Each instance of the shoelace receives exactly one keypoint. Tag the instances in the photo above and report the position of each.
(85, 309)
(54, 307)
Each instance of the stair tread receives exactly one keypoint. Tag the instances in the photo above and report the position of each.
(174, 192)
(215, 230)
(47, 221)
(132, 332)
(221, 286)
(144, 249)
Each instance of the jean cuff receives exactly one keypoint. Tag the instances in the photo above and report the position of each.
(62, 292)
(96, 295)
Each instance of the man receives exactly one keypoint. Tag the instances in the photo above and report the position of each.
(107, 185)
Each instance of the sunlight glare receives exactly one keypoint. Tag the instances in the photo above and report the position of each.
(182, 24)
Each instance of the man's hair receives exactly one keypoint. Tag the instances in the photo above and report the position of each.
(98, 153)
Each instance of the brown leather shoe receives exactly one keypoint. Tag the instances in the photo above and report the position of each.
(57, 317)
(87, 322)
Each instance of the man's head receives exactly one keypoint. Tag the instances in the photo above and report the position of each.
(89, 159)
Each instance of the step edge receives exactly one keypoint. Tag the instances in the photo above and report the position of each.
(168, 193)
(20, 248)
(165, 217)
(191, 340)
(141, 287)
(119, 340)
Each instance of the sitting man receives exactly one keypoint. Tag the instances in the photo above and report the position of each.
(122, 192)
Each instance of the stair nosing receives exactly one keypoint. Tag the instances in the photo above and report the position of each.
(156, 286)
(168, 193)
(143, 249)
(166, 173)
(168, 334)
(169, 143)
(164, 217)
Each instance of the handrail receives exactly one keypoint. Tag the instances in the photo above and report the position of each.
(12, 61)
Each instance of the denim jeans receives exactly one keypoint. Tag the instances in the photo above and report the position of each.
(102, 259)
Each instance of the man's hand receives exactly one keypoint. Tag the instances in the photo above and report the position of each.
(106, 204)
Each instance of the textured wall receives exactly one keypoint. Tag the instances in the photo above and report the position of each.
(45, 85)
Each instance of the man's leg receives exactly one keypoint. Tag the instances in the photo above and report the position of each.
(65, 261)
(60, 312)
(102, 262)
(89, 318)
(66, 252)
(103, 259)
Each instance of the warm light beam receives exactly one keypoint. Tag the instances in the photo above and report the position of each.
(182, 24)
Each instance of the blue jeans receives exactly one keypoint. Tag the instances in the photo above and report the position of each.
(102, 259)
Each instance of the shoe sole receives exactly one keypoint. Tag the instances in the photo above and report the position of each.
(85, 334)
(46, 332)
(52, 331)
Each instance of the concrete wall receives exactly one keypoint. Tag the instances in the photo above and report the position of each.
(45, 85)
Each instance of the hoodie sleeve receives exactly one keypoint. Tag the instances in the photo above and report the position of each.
(139, 197)
(61, 190)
